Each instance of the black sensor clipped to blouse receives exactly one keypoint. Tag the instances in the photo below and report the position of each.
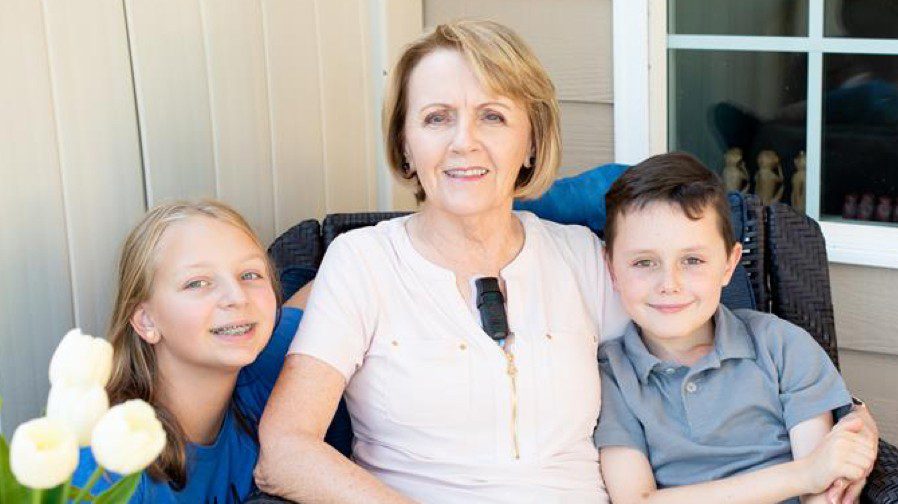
(491, 304)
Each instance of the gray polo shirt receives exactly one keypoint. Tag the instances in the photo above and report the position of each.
(729, 413)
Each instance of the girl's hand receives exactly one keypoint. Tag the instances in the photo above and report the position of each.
(844, 453)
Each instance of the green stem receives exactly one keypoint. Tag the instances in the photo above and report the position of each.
(36, 496)
(85, 490)
(65, 490)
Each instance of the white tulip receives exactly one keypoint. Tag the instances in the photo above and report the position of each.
(43, 453)
(128, 438)
(82, 360)
(80, 408)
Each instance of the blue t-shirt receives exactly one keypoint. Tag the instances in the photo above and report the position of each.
(221, 472)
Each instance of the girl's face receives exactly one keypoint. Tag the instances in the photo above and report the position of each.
(212, 303)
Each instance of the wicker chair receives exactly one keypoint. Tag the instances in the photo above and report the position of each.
(783, 270)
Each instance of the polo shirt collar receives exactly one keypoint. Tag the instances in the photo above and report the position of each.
(731, 341)
(643, 361)
(731, 337)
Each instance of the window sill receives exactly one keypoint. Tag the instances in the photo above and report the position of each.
(864, 244)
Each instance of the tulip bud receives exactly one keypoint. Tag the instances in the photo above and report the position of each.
(82, 360)
(79, 408)
(128, 438)
(43, 453)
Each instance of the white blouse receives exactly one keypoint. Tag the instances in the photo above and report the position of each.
(436, 412)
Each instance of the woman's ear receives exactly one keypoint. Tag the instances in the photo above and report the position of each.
(732, 261)
(144, 326)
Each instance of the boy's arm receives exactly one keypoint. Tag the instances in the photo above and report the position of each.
(629, 479)
(804, 438)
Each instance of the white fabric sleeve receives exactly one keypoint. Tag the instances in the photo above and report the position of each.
(340, 316)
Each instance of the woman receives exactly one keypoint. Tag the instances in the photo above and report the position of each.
(440, 411)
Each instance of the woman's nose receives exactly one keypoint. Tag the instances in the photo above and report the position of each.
(465, 138)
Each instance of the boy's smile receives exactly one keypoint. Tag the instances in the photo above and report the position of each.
(669, 271)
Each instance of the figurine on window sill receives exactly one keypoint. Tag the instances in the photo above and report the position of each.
(769, 179)
(883, 209)
(735, 176)
(865, 207)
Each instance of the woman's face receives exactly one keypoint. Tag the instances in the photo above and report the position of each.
(212, 303)
(466, 144)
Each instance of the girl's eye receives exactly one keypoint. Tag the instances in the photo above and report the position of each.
(196, 284)
(693, 261)
(643, 263)
(250, 275)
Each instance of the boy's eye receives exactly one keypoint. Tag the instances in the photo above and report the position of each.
(250, 275)
(694, 261)
(196, 284)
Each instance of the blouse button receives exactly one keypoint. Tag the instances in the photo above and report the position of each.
(462, 346)
(548, 336)
(395, 343)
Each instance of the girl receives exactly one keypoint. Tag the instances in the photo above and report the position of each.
(192, 336)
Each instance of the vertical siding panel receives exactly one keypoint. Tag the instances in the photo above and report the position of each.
(35, 296)
(239, 105)
(170, 82)
(345, 85)
(98, 144)
(294, 105)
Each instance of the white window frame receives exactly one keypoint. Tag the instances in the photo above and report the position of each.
(640, 105)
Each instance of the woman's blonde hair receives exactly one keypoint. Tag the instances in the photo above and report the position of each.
(506, 66)
(134, 371)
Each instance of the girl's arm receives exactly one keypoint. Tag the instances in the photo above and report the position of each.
(843, 453)
(294, 461)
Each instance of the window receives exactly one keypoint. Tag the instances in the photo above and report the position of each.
(793, 100)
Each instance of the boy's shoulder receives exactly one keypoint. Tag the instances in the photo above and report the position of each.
(770, 331)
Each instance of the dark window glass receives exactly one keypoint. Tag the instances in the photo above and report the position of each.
(783, 18)
(861, 18)
(755, 102)
(859, 176)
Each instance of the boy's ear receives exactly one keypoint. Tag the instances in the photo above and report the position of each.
(143, 325)
(609, 266)
(732, 261)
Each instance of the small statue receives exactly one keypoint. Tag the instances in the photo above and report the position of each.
(769, 179)
(883, 209)
(798, 182)
(849, 208)
(735, 176)
(895, 211)
(865, 207)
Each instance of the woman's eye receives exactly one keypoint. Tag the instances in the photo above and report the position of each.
(436, 118)
(493, 117)
(643, 263)
(196, 284)
(250, 275)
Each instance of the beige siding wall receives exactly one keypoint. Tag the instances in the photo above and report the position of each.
(575, 48)
(866, 305)
(112, 106)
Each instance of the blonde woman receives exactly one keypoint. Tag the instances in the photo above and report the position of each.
(440, 411)
(192, 335)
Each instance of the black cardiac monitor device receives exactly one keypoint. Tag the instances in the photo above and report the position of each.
(491, 305)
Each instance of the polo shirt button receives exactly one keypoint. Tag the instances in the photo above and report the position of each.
(691, 387)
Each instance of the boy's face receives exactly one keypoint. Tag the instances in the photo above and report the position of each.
(669, 269)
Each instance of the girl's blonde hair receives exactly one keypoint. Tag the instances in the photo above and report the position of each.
(506, 66)
(134, 372)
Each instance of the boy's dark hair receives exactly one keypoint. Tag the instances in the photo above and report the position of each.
(676, 178)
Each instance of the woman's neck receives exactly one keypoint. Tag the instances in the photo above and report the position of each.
(198, 397)
(476, 244)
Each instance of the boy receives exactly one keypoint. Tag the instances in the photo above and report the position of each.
(700, 403)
